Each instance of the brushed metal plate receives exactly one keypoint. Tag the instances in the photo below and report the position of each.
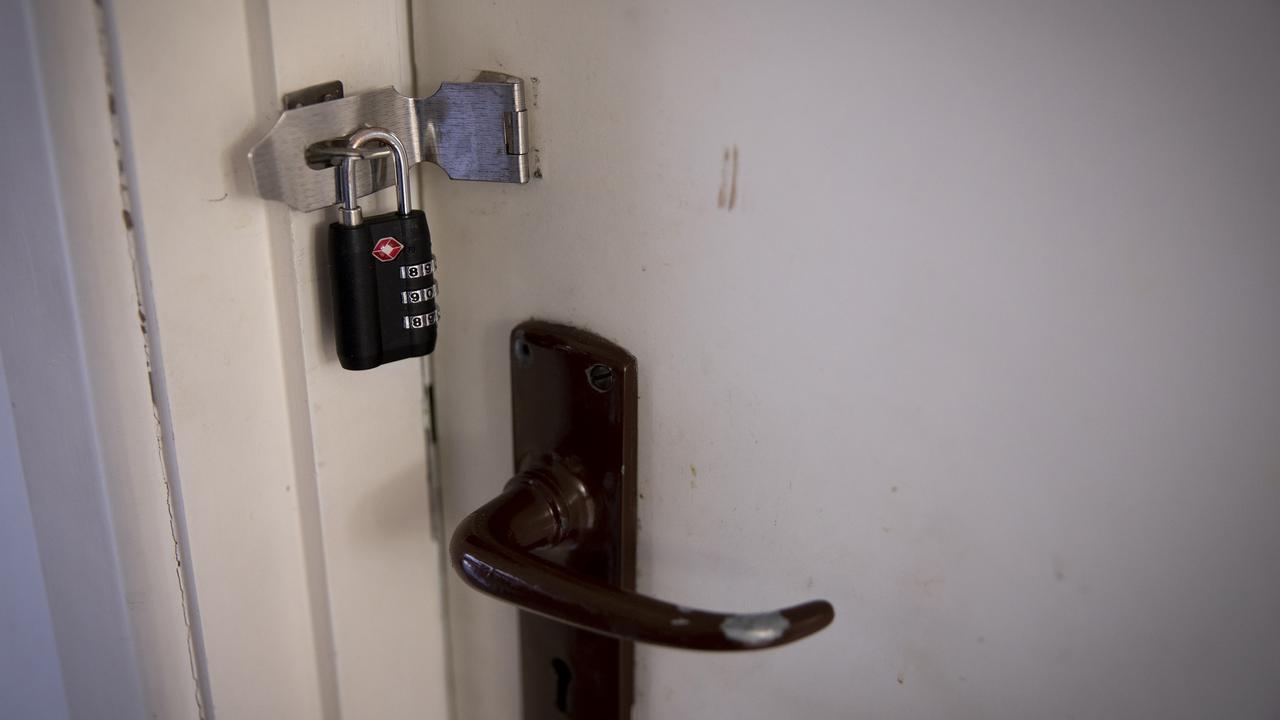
(474, 131)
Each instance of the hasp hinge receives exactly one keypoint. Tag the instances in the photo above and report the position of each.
(517, 132)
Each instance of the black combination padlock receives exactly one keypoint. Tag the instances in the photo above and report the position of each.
(382, 271)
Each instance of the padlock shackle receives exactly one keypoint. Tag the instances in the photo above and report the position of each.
(348, 206)
(398, 155)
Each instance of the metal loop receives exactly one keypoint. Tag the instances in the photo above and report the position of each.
(360, 137)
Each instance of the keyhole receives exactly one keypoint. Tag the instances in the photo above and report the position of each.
(563, 676)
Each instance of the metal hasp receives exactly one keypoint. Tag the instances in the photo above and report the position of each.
(559, 541)
(474, 131)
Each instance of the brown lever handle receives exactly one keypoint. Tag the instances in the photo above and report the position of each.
(502, 549)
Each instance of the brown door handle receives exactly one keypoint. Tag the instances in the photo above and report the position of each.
(508, 548)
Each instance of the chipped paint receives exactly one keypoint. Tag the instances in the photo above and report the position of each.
(164, 442)
(756, 628)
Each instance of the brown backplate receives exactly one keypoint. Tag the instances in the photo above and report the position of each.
(563, 403)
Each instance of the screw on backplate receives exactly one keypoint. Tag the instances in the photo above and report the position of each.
(600, 377)
(523, 353)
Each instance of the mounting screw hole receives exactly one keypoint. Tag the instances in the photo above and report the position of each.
(521, 351)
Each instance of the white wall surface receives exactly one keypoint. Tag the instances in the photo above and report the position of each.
(984, 349)
(30, 678)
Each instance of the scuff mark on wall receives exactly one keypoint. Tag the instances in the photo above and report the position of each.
(733, 182)
(728, 197)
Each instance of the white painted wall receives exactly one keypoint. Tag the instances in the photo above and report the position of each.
(30, 678)
(984, 351)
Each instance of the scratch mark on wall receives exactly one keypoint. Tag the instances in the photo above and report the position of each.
(728, 196)
(733, 183)
(722, 200)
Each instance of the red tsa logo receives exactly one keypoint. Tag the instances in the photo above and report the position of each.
(387, 249)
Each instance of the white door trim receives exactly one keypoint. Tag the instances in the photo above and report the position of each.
(305, 504)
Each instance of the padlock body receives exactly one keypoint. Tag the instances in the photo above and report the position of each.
(383, 279)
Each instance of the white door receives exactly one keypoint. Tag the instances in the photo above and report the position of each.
(962, 316)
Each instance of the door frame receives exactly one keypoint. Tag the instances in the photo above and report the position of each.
(263, 560)
(76, 361)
